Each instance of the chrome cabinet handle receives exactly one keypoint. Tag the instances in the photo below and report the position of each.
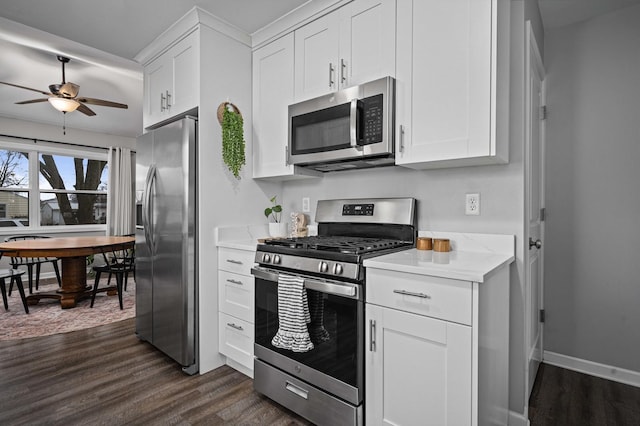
(410, 293)
(162, 101)
(235, 262)
(372, 331)
(401, 138)
(343, 67)
(237, 327)
(286, 155)
(168, 98)
(297, 390)
(234, 281)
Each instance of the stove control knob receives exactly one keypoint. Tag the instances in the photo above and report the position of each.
(323, 267)
(337, 269)
(276, 259)
(266, 258)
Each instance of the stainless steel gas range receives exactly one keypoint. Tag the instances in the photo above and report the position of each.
(309, 306)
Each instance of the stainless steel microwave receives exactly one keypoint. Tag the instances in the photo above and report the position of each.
(347, 129)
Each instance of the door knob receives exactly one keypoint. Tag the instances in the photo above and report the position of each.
(537, 243)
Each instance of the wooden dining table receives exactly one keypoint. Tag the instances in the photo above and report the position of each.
(73, 252)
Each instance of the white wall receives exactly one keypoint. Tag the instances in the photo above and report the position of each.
(29, 129)
(592, 267)
(225, 75)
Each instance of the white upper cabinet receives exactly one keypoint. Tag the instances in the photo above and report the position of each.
(171, 81)
(272, 93)
(446, 84)
(349, 46)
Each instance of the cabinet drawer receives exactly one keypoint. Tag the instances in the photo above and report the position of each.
(236, 295)
(237, 261)
(236, 339)
(441, 298)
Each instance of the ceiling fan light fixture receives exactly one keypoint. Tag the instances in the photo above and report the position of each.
(64, 104)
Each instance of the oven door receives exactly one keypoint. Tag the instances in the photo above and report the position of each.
(335, 364)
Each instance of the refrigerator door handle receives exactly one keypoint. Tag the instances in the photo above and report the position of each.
(148, 210)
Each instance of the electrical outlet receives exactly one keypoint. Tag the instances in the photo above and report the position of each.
(472, 205)
(305, 205)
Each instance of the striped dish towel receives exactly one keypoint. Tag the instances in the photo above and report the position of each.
(293, 315)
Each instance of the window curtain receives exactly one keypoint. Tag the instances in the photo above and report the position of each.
(120, 203)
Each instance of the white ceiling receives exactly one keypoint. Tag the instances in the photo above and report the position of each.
(558, 13)
(102, 38)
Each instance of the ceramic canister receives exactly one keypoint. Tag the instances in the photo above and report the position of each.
(441, 248)
(424, 245)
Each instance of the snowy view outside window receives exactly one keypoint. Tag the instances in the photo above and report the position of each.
(69, 190)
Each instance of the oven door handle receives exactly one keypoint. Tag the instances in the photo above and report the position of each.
(330, 287)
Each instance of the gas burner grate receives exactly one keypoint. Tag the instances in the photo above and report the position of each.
(347, 245)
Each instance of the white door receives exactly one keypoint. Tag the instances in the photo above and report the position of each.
(273, 81)
(157, 78)
(534, 205)
(418, 369)
(316, 57)
(367, 42)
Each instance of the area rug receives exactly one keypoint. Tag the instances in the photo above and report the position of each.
(47, 317)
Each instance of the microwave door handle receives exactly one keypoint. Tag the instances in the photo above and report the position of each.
(353, 125)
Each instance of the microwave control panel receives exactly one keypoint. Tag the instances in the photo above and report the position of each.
(372, 120)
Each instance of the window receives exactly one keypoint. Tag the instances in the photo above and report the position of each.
(52, 186)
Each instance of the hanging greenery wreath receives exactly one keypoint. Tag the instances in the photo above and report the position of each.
(233, 144)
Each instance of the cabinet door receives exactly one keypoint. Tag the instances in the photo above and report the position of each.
(418, 370)
(183, 89)
(157, 77)
(316, 57)
(272, 93)
(444, 90)
(367, 42)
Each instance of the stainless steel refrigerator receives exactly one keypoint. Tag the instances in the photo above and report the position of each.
(166, 246)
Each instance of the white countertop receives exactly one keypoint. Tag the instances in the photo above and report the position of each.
(467, 266)
(240, 237)
(473, 257)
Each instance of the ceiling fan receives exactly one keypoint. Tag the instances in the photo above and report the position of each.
(64, 96)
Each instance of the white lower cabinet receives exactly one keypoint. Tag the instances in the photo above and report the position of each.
(436, 349)
(235, 307)
(418, 369)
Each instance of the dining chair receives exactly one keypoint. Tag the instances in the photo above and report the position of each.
(126, 276)
(14, 275)
(30, 262)
(116, 262)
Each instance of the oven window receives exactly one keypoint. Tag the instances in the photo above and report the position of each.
(324, 130)
(333, 330)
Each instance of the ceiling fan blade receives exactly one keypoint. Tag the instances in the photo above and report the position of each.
(24, 87)
(32, 101)
(85, 109)
(102, 102)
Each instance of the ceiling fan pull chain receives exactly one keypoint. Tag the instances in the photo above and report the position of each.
(64, 123)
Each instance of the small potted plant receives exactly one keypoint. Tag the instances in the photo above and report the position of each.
(274, 214)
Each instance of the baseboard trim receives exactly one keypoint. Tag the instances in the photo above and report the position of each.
(609, 372)
(517, 419)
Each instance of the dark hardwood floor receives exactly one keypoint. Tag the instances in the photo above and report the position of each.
(106, 376)
(568, 398)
